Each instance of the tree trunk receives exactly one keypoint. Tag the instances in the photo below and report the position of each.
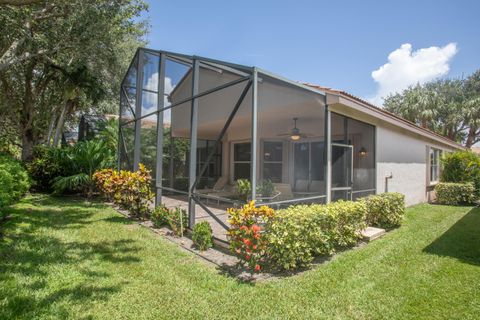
(50, 129)
(26, 121)
(61, 121)
(472, 134)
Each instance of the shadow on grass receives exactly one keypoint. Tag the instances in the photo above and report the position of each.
(30, 251)
(461, 241)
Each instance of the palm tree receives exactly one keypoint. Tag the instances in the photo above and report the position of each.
(85, 157)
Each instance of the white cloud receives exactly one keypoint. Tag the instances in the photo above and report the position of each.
(405, 68)
(149, 103)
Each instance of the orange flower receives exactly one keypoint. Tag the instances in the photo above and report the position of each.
(256, 228)
(257, 267)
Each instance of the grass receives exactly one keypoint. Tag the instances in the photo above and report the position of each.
(66, 258)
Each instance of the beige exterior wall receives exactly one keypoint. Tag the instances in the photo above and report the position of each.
(400, 154)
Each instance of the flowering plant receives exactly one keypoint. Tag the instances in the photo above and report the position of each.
(246, 239)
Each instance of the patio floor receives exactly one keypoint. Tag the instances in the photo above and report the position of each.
(220, 210)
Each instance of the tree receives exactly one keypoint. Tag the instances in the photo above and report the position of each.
(59, 58)
(450, 107)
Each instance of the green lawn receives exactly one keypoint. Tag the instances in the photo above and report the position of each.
(64, 258)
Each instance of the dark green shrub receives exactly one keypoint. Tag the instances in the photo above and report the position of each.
(178, 220)
(202, 235)
(14, 180)
(385, 210)
(48, 164)
(461, 166)
(160, 216)
(299, 233)
(455, 193)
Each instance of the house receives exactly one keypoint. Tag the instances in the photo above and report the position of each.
(295, 142)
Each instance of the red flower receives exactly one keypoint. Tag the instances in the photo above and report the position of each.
(247, 257)
(247, 242)
(243, 228)
(256, 228)
(257, 267)
(254, 247)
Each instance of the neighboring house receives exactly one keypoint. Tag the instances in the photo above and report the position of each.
(314, 143)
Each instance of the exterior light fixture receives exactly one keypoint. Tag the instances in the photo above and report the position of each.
(362, 152)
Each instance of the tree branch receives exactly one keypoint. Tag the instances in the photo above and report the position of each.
(19, 2)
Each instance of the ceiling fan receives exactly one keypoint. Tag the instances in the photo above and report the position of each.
(295, 133)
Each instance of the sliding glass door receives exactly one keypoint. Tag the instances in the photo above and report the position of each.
(309, 168)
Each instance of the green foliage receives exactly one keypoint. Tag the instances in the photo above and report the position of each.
(202, 235)
(14, 180)
(449, 107)
(455, 193)
(61, 57)
(46, 165)
(244, 188)
(266, 188)
(178, 220)
(385, 210)
(461, 166)
(84, 159)
(160, 216)
(299, 233)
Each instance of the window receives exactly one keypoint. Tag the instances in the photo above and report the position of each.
(435, 155)
(241, 160)
(272, 160)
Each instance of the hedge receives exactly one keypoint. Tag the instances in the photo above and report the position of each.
(461, 167)
(385, 210)
(455, 193)
(299, 233)
(14, 180)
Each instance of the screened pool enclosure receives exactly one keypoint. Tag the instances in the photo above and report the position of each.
(200, 125)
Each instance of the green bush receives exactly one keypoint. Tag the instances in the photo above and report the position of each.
(385, 210)
(160, 216)
(243, 188)
(48, 164)
(299, 233)
(455, 193)
(202, 235)
(14, 180)
(178, 220)
(461, 166)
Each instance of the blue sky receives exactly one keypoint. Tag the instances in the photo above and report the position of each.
(331, 43)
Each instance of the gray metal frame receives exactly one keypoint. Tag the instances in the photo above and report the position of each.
(251, 76)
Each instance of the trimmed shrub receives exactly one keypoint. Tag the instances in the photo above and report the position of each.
(130, 190)
(178, 221)
(14, 180)
(202, 235)
(246, 233)
(385, 210)
(455, 193)
(461, 166)
(160, 216)
(299, 233)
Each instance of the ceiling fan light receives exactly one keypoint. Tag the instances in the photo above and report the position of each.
(295, 137)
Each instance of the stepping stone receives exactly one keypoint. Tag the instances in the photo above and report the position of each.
(372, 233)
